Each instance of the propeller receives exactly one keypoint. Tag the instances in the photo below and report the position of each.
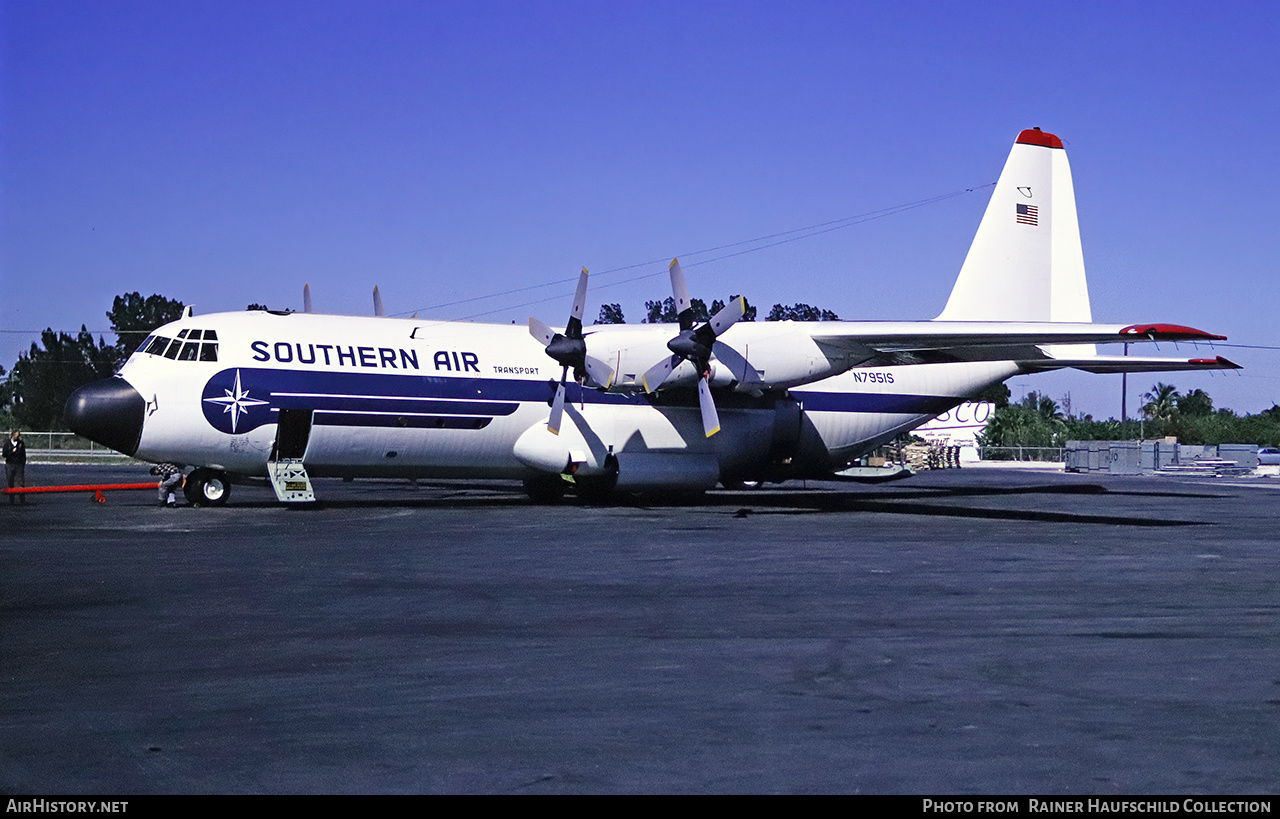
(695, 346)
(306, 298)
(570, 350)
(377, 302)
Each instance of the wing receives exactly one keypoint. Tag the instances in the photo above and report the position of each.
(876, 344)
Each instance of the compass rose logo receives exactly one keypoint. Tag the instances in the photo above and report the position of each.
(235, 410)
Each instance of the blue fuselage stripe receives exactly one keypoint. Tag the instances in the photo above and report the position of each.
(382, 403)
(375, 399)
(299, 388)
(353, 419)
(894, 403)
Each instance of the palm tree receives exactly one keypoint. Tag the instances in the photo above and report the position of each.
(1048, 409)
(1162, 402)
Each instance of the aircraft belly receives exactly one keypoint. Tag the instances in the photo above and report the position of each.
(855, 412)
(490, 448)
(846, 438)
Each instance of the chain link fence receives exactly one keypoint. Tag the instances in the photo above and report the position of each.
(67, 446)
(1053, 454)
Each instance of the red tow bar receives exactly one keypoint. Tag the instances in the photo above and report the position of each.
(96, 488)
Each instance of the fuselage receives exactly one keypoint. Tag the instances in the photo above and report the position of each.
(354, 396)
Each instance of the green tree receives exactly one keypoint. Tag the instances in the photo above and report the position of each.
(997, 394)
(748, 314)
(800, 312)
(611, 314)
(1045, 406)
(664, 312)
(1162, 402)
(1191, 420)
(1195, 404)
(45, 377)
(1014, 425)
(1036, 420)
(133, 318)
(7, 421)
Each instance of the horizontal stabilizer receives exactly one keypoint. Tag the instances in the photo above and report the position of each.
(1128, 364)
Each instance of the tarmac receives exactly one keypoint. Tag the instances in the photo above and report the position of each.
(960, 632)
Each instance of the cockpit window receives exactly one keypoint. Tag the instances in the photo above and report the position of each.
(190, 345)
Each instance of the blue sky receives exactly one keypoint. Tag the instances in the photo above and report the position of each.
(450, 153)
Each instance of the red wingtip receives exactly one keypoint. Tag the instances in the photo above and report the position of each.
(1170, 332)
(1219, 362)
(1034, 136)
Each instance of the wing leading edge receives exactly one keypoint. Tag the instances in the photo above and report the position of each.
(897, 343)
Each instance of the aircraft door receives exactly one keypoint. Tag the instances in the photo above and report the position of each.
(293, 429)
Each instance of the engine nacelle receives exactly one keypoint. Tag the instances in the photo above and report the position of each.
(667, 470)
(568, 453)
(749, 355)
(672, 452)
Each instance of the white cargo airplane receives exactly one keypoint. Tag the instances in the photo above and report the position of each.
(253, 395)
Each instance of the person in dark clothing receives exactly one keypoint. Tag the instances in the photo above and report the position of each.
(15, 464)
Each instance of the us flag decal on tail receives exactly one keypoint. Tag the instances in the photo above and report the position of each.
(1028, 215)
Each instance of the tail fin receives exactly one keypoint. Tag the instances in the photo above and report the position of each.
(1025, 263)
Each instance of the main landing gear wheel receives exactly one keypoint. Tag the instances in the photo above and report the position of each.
(598, 489)
(544, 488)
(207, 487)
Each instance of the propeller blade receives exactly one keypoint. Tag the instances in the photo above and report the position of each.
(599, 372)
(681, 292)
(728, 315)
(377, 302)
(658, 373)
(306, 298)
(557, 410)
(580, 299)
(541, 331)
(710, 419)
(742, 371)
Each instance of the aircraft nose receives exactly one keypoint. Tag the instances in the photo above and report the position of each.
(109, 412)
